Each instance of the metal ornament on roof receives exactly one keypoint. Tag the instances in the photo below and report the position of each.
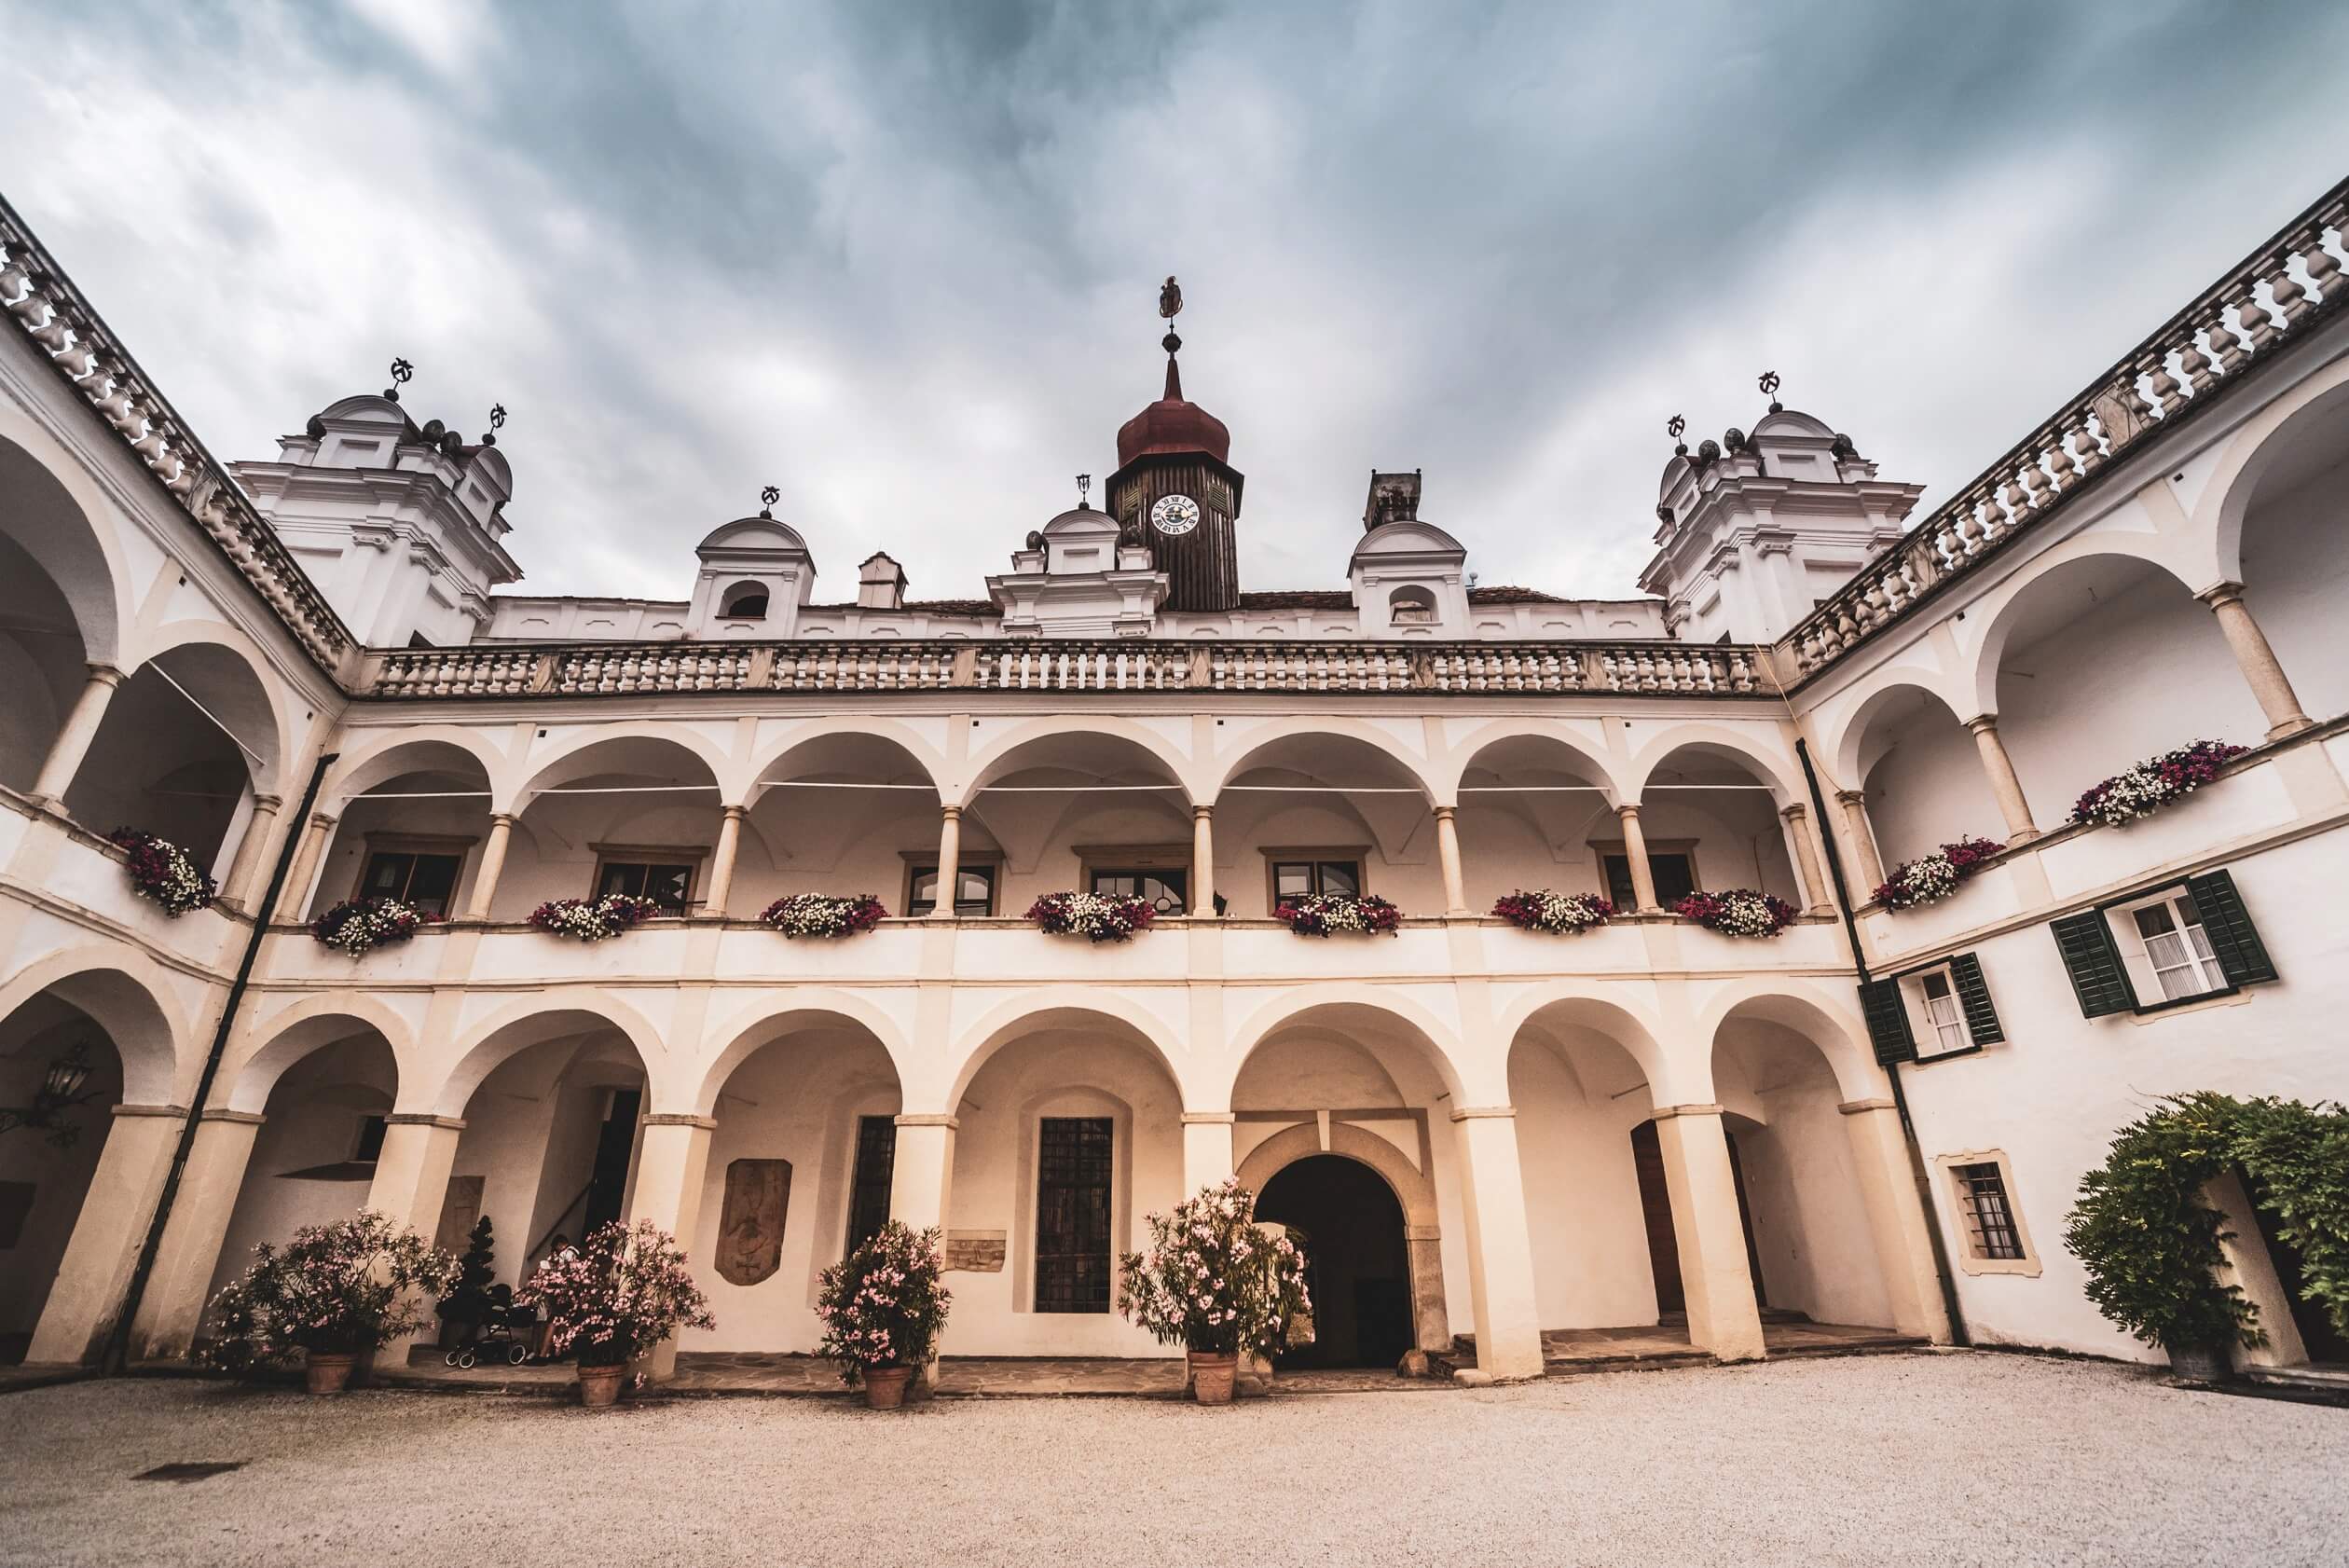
(1170, 298)
(401, 372)
(1084, 491)
(1769, 385)
(1676, 427)
(497, 423)
(767, 498)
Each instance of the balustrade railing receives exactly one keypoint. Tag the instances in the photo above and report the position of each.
(36, 292)
(2264, 303)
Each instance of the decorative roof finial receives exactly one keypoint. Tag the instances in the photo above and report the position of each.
(1170, 298)
(1675, 427)
(400, 371)
(767, 498)
(1084, 492)
(1769, 385)
(1171, 306)
(497, 423)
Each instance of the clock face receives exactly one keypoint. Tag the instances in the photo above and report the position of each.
(1175, 514)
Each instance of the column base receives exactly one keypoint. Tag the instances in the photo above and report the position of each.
(2293, 725)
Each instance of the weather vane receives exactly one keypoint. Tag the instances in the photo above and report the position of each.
(767, 498)
(1675, 427)
(497, 423)
(1171, 299)
(400, 371)
(1084, 491)
(1769, 385)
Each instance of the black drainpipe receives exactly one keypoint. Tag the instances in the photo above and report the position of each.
(118, 1343)
(1891, 1069)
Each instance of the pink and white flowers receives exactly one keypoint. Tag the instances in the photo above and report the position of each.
(1740, 912)
(593, 919)
(817, 914)
(355, 1285)
(358, 926)
(1214, 1281)
(885, 1305)
(616, 1297)
(164, 873)
(1092, 915)
(1558, 914)
(2145, 788)
(1320, 914)
(1931, 878)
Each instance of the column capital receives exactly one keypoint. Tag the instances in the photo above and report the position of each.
(178, 1112)
(1203, 810)
(106, 674)
(676, 1118)
(1480, 1113)
(1627, 808)
(1855, 1108)
(1852, 797)
(2220, 593)
(425, 1119)
(268, 802)
(1984, 724)
(951, 812)
(243, 1117)
(1445, 813)
(734, 813)
(950, 1123)
(1208, 1117)
(1665, 1113)
(503, 818)
(1793, 811)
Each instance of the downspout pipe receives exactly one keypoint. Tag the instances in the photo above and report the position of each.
(1891, 1069)
(116, 1354)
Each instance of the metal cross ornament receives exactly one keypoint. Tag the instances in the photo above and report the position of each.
(402, 371)
(1676, 427)
(1769, 385)
(497, 423)
(767, 498)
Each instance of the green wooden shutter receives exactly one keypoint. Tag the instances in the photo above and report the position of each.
(2094, 962)
(1973, 998)
(1888, 1021)
(2228, 925)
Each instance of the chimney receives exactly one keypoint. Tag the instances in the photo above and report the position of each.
(880, 583)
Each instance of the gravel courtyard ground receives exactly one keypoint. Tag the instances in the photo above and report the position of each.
(1886, 1460)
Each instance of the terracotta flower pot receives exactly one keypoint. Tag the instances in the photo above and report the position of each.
(884, 1387)
(1211, 1377)
(600, 1386)
(324, 1373)
(2202, 1363)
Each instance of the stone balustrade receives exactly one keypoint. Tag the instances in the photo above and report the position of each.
(42, 300)
(2265, 301)
(489, 670)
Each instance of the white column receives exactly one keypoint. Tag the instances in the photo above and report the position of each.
(721, 864)
(949, 861)
(1722, 1315)
(672, 1162)
(1447, 851)
(1202, 888)
(1863, 844)
(2257, 661)
(1499, 1243)
(244, 867)
(1896, 1219)
(1807, 859)
(921, 1184)
(2003, 782)
(179, 1286)
(293, 898)
(1635, 851)
(1206, 1148)
(411, 1185)
(92, 1276)
(66, 753)
(493, 854)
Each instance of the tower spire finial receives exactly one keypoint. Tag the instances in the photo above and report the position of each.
(1171, 306)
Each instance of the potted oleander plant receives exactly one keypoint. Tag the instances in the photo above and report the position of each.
(882, 1308)
(1218, 1285)
(612, 1298)
(333, 1294)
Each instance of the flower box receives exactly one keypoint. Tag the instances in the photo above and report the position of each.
(593, 919)
(1320, 914)
(358, 926)
(1931, 878)
(1740, 912)
(163, 873)
(1090, 916)
(818, 915)
(1558, 913)
(2145, 788)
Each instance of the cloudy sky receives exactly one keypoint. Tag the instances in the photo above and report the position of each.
(902, 259)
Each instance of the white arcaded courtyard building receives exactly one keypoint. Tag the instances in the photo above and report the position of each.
(315, 670)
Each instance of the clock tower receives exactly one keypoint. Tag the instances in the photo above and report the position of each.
(1176, 492)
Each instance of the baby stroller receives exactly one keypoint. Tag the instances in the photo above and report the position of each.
(505, 1333)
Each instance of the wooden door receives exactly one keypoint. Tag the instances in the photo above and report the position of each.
(1655, 1205)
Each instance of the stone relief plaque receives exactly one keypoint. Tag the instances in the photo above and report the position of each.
(978, 1252)
(750, 1227)
(458, 1210)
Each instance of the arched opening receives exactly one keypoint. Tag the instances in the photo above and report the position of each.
(2294, 568)
(313, 1159)
(1534, 814)
(1329, 814)
(1922, 776)
(745, 602)
(185, 742)
(1411, 607)
(1357, 1260)
(45, 1168)
(634, 814)
(1070, 1133)
(57, 611)
(2075, 650)
(845, 814)
(799, 1170)
(1088, 812)
(1710, 819)
(413, 822)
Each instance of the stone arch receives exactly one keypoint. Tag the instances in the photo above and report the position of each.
(240, 683)
(1640, 1035)
(1327, 737)
(534, 1021)
(48, 512)
(2017, 598)
(1771, 767)
(1034, 745)
(607, 748)
(1835, 1029)
(125, 995)
(293, 1033)
(1128, 1020)
(1584, 755)
(765, 1025)
(2313, 412)
(1413, 1189)
(1339, 1005)
(813, 736)
(417, 748)
(1844, 739)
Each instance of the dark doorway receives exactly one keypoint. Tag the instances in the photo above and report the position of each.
(608, 1182)
(1357, 1265)
(1655, 1206)
(2325, 1344)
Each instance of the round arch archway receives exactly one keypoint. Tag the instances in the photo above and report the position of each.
(1405, 1283)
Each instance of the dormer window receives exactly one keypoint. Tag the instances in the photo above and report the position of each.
(1411, 607)
(746, 601)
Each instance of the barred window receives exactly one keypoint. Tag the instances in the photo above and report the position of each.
(1990, 1229)
(1072, 1214)
(869, 1184)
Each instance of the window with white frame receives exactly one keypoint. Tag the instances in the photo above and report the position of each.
(1941, 1022)
(2166, 948)
(1940, 1009)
